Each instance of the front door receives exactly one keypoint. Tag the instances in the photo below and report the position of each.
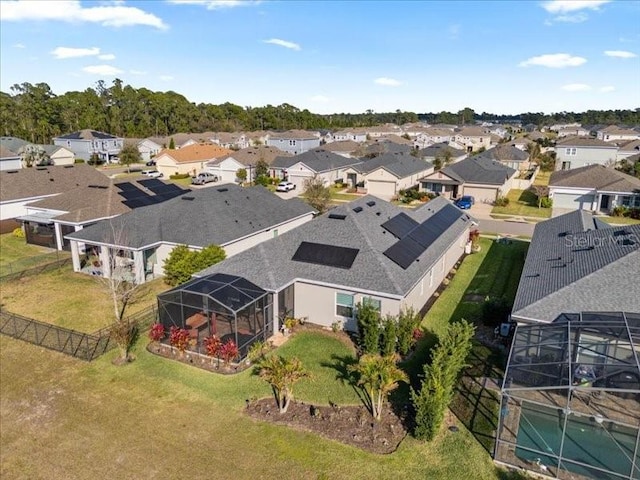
(605, 201)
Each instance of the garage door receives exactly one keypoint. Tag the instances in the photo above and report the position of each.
(384, 190)
(481, 195)
(298, 182)
(574, 201)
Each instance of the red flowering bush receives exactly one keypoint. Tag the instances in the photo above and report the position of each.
(417, 334)
(157, 333)
(229, 352)
(179, 338)
(212, 345)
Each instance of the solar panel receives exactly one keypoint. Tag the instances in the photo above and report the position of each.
(124, 186)
(404, 252)
(400, 225)
(150, 183)
(328, 255)
(131, 194)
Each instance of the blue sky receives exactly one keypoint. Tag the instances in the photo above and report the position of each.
(500, 57)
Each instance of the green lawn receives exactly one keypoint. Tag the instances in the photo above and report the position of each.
(620, 220)
(542, 178)
(16, 254)
(70, 300)
(522, 203)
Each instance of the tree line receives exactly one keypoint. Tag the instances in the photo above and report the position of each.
(36, 114)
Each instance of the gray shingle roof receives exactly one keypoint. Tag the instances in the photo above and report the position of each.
(479, 169)
(584, 142)
(597, 177)
(317, 160)
(270, 263)
(503, 153)
(87, 134)
(438, 149)
(400, 165)
(575, 263)
(13, 143)
(214, 215)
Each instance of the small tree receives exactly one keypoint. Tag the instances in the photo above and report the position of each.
(207, 256)
(389, 339)
(540, 191)
(447, 156)
(262, 168)
(282, 374)
(241, 175)
(378, 376)
(437, 163)
(368, 319)
(317, 194)
(408, 321)
(34, 155)
(129, 155)
(182, 263)
(172, 144)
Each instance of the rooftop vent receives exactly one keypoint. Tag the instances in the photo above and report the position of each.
(223, 189)
(337, 216)
(186, 197)
(357, 209)
(371, 203)
(12, 171)
(41, 168)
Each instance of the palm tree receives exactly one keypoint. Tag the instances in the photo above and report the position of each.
(282, 374)
(378, 376)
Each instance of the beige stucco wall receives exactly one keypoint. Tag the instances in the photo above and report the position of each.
(168, 166)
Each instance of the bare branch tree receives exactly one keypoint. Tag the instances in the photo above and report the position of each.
(540, 191)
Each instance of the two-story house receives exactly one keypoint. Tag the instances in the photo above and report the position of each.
(613, 133)
(578, 152)
(232, 141)
(86, 143)
(433, 136)
(352, 135)
(294, 142)
(472, 139)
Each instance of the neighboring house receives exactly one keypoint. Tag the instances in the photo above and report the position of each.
(564, 132)
(477, 176)
(499, 130)
(579, 152)
(149, 148)
(384, 176)
(59, 155)
(191, 159)
(595, 188)
(349, 135)
(13, 147)
(9, 160)
(433, 136)
(613, 133)
(354, 254)
(232, 141)
(19, 188)
(325, 165)
(379, 146)
(381, 130)
(628, 149)
(521, 143)
(577, 263)
(85, 143)
(346, 148)
(230, 216)
(472, 139)
(294, 141)
(14, 144)
(441, 151)
(226, 167)
(509, 156)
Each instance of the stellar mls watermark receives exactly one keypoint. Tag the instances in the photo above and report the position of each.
(590, 242)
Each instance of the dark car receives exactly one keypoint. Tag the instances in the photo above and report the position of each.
(151, 163)
(465, 202)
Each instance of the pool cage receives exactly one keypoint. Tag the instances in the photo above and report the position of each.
(230, 307)
(570, 404)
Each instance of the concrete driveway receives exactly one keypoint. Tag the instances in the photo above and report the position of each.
(481, 210)
(289, 194)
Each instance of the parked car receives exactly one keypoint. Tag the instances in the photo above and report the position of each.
(204, 177)
(152, 173)
(285, 187)
(465, 202)
(151, 163)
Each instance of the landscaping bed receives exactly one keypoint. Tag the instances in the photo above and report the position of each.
(351, 425)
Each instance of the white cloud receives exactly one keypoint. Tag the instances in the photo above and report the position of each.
(166, 78)
(620, 54)
(320, 99)
(554, 60)
(567, 6)
(19, 45)
(387, 82)
(283, 43)
(217, 4)
(69, 52)
(137, 72)
(107, 70)
(108, 15)
(576, 87)
(608, 88)
(107, 56)
(575, 18)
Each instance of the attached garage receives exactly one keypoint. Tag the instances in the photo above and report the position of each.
(298, 181)
(573, 201)
(381, 189)
(481, 194)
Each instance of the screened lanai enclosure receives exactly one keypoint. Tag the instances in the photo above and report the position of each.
(230, 307)
(570, 404)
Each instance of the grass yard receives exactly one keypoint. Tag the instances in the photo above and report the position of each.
(522, 203)
(161, 419)
(619, 220)
(68, 299)
(542, 178)
(16, 254)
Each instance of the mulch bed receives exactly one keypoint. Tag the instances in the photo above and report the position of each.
(352, 425)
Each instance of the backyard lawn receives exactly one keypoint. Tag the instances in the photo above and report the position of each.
(619, 220)
(16, 254)
(542, 178)
(70, 300)
(522, 203)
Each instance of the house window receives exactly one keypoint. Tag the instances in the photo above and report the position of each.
(570, 151)
(626, 201)
(344, 305)
(373, 302)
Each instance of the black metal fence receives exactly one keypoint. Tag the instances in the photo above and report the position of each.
(40, 264)
(85, 346)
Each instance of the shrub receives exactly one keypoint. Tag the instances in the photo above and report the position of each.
(212, 346)
(389, 337)
(229, 352)
(179, 338)
(257, 351)
(262, 180)
(18, 232)
(546, 202)
(618, 211)
(495, 310)
(501, 202)
(182, 263)
(368, 319)
(179, 176)
(157, 332)
(634, 213)
(78, 160)
(408, 321)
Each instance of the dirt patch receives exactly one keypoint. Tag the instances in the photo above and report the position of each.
(352, 425)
